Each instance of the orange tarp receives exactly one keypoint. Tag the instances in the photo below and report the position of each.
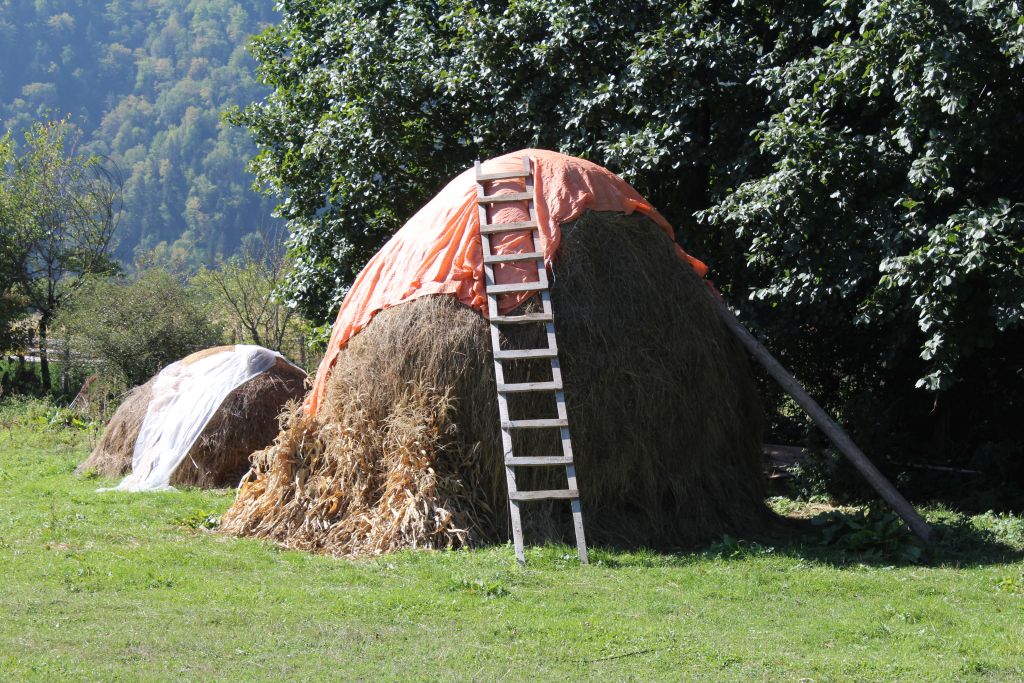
(438, 251)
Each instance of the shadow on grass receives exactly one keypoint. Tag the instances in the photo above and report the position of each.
(954, 543)
(842, 539)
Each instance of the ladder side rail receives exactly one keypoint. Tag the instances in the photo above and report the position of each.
(556, 376)
(499, 378)
(570, 471)
(555, 386)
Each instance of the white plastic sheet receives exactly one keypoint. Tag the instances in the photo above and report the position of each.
(185, 397)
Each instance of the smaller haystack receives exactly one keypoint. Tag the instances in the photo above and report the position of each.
(246, 420)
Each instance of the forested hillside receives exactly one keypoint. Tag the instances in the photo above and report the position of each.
(146, 81)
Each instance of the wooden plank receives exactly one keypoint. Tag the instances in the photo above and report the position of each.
(516, 287)
(501, 175)
(521, 319)
(557, 494)
(517, 226)
(577, 522)
(570, 469)
(506, 448)
(538, 461)
(528, 386)
(499, 376)
(485, 245)
(517, 530)
(509, 258)
(545, 300)
(534, 424)
(832, 430)
(505, 197)
(522, 354)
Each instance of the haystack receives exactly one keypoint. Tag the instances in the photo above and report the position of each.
(404, 449)
(244, 422)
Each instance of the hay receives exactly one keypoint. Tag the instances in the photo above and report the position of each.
(245, 422)
(405, 450)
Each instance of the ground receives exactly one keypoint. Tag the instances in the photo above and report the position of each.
(119, 586)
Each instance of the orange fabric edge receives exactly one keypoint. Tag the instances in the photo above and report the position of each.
(416, 288)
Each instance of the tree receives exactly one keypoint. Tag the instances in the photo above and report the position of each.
(375, 106)
(11, 306)
(145, 81)
(183, 258)
(886, 242)
(64, 214)
(133, 328)
(245, 288)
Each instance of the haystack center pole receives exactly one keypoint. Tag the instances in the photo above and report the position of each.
(832, 430)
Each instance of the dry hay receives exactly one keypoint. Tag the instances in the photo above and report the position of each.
(245, 422)
(405, 450)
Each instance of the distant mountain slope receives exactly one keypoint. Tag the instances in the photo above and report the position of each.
(146, 81)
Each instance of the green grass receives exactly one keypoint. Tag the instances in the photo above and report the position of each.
(121, 587)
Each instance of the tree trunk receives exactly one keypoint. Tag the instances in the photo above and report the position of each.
(255, 334)
(65, 364)
(44, 360)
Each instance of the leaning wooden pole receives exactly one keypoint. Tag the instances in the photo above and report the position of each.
(832, 430)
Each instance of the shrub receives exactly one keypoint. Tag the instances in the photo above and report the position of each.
(131, 329)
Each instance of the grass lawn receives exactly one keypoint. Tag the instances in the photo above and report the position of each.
(115, 586)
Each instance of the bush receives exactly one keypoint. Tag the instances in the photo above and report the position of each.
(131, 329)
(871, 535)
(23, 411)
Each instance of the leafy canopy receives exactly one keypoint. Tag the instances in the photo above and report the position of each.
(11, 307)
(376, 105)
(895, 199)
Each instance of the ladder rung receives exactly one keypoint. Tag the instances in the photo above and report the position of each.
(506, 258)
(517, 354)
(529, 386)
(516, 287)
(521, 319)
(535, 424)
(545, 495)
(505, 197)
(503, 175)
(540, 461)
(492, 228)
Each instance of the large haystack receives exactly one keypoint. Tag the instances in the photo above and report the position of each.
(245, 422)
(405, 449)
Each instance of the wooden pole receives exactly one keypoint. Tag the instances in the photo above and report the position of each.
(832, 430)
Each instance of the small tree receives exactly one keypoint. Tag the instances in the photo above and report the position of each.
(245, 291)
(134, 328)
(62, 215)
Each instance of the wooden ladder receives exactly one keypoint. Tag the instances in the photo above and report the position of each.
(501, 356)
